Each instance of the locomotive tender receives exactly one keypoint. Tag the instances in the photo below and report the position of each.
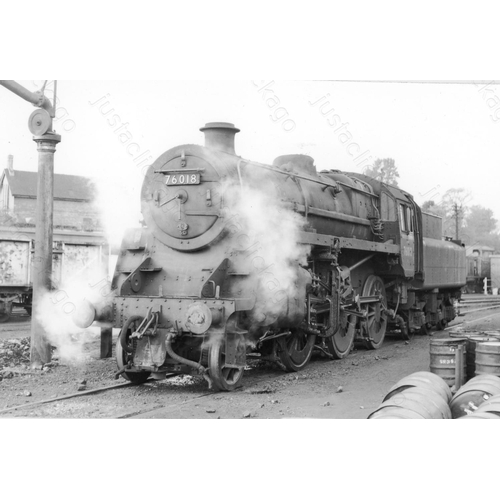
(186, 295)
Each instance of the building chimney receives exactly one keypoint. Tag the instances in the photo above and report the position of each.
(220, 136)
(10, 164)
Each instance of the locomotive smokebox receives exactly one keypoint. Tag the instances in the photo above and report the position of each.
(220, 136)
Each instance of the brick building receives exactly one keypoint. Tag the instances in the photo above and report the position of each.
(80, 246)
(73, 200)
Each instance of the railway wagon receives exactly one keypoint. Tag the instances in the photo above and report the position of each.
(189, 293)
(478, 268)
(73, 254)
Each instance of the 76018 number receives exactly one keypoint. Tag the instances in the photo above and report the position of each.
(182, 179)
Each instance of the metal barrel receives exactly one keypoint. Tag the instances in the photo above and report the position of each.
(488, 358)
(395, 412)
(427, 380)
(426, 403)
(463, 335)
(471, 353)
(480, 414)
(391, 408)
(442, 352)
(492, 333)
(475, 392)
(491, 405)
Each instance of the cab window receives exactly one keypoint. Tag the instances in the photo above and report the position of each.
(409, 219)
(402, 218)
(405, 218)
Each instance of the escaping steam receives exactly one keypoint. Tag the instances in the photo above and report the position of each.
(266, 236)
(56, 309)
(117, 201)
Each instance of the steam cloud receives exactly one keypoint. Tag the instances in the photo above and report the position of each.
(117, 202)
(56, 308)
(266, 233)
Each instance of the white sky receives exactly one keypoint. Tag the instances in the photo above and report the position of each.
(441, 135)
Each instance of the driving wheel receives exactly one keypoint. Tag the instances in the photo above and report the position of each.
(295, 350)
(375, 324)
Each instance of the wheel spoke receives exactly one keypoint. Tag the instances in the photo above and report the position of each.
(376, 322)
(340, 344)
(296, 350)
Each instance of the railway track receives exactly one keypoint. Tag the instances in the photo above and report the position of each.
(165, 409)
(121, 415)
(161, 409)
(61, 398)
(472, 301)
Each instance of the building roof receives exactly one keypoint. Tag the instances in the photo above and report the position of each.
(482, 248)
(66, 187)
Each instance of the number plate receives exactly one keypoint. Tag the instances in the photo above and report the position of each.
(182, 179)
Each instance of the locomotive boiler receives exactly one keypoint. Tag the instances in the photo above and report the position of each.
(190, 296)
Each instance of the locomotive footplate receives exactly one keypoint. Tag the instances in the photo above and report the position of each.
(173, 331)
(183, 315)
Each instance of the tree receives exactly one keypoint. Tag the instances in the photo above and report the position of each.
(384, 170)
(480, 227)
(473, 225)
(454, 204)
(481, 220)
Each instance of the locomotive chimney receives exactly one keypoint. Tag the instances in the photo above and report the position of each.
(220, 136)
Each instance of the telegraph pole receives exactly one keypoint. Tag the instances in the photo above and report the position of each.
(457, 211)
(40, 125)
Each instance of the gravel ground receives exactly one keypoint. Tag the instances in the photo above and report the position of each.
(347, 389)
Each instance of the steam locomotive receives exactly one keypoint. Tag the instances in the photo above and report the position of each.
(189, 293)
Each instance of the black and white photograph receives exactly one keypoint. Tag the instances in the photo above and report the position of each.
(312, 258)
(255, 234)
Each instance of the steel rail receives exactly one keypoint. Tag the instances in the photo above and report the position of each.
(73, 395)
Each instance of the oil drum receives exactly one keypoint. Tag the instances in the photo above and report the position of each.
(395, 412)
(473, 394)
(442, 353)
(488, 358)
(471, 353)
(491, 405)
(425, 402)
(427, 380)
(480, 414)
(463, 335)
